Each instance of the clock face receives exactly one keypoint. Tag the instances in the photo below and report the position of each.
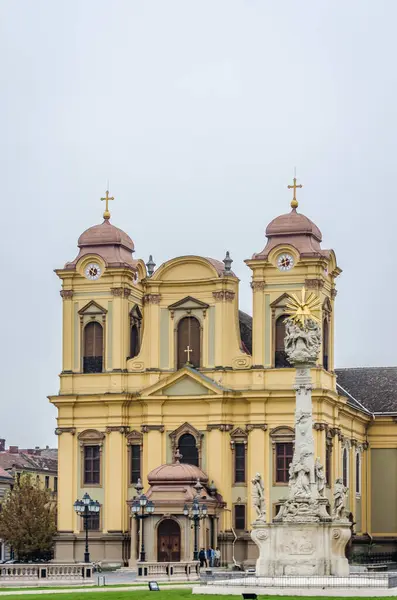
(285, 262)
(93, 271)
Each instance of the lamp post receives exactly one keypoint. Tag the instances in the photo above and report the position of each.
(140, 509)
(85, 508)
(196, 513)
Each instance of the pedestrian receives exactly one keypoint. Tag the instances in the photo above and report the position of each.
(210, 557)
(202, 558)
(217, 557)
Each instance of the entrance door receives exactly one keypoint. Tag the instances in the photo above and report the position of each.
(168, 541)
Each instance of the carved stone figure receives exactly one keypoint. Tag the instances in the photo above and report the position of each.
(300, 485)
(258, 497)
(320, 477)
(340, 499)
(302, 344)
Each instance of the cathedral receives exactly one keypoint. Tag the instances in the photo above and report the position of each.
(168, 387)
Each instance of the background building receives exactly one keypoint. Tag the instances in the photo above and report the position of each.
(160, 361)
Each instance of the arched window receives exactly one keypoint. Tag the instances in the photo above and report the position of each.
(134, 341)
(280, 359)
(93, 348)
(345, 467)
(358, 473)
(135, 331)
(188, 343)
(188, 449)
(325, 343)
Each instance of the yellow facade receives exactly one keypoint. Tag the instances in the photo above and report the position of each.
(231, 396)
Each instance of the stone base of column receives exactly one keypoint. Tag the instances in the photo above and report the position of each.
(301, 548)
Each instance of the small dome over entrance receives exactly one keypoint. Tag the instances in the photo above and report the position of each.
(177, 473)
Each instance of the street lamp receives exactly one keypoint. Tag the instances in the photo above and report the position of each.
(85, 508)
(196, 513)
(140, 509)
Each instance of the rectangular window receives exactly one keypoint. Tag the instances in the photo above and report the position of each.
(239, 463)
(284, 454)
(93, 522)
(92, 465)
(47, 482)
(55, 484)
(135, 450)
(239, 517)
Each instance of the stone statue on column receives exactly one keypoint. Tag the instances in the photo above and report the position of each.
(258, 498)
(303, 539)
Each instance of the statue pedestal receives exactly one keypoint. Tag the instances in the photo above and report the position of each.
(299, 548)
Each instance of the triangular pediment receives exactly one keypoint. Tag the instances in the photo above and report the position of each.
(92, 308)
(185, 382)
(186, 387)
(188, 303)
(281, 301)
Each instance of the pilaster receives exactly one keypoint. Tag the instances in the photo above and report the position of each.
(258, 323)
(115, 482)
(67, 330)
(68, 455)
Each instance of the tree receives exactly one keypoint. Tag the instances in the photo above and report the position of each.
(27, 520)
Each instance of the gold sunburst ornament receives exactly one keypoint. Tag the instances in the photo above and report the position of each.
(300, 310)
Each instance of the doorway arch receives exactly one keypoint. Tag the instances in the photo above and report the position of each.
(168, 541)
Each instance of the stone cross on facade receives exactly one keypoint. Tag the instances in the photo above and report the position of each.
(188, 352)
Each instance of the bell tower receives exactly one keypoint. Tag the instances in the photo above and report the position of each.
(100, 288)
(292, 259)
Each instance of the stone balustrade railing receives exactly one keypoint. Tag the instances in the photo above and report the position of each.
(169, 570)
(21, 572)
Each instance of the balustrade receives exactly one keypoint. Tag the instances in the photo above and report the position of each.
(45, 571)
(169, 570)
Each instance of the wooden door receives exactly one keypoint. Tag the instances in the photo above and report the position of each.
(169, 541)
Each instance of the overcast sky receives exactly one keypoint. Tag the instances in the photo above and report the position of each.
(197, 111)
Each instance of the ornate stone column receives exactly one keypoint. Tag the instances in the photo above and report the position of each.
(304, 539)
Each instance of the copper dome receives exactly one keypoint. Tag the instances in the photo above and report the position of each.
(105, 234)
(294, 229)
(107, 241)
(293, 223)
(177, 473)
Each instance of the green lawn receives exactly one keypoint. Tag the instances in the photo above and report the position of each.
(145, 594)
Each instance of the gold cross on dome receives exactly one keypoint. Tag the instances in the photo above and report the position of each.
(294, 201)
(106, 214)
(188, 351)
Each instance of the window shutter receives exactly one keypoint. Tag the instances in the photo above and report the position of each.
(188, 335)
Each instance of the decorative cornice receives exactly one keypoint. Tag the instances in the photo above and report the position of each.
(151, 298)
(66, 294)
(147, 428)
(258, 286)
(120, 291)
(333, 293)
(116, 291)
(320, 426)
(224, 295)
(251, 426)
(314, 284)
(61, 430)
(220, 426)
(120, 428)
